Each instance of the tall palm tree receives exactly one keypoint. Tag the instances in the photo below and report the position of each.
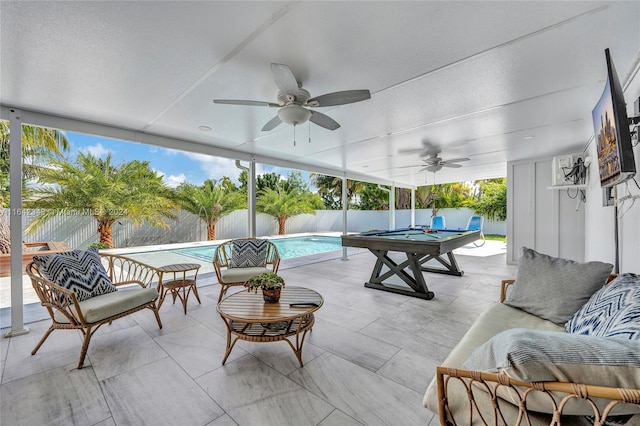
(108, 193)
(285, 203)
(210, 202)
(37, 142)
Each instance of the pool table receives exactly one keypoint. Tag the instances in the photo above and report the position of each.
(419, 246)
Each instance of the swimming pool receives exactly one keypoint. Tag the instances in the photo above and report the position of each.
(287, 247)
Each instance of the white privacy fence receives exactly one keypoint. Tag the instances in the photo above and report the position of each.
(82, 231)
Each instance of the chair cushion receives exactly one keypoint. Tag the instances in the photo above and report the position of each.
(613, 311)
(241, 275)
(554, 288)
(248, 253)
(107, 305)
(80, 271)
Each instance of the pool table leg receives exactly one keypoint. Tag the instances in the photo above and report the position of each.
(451, 267)
(413, 262)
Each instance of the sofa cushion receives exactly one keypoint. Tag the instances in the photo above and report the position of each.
(548, 356)
(248, 253)
(80, 271)
(493, 320)
(613, 311)
(554, 288)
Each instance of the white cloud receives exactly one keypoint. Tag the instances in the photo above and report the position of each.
(97, 150)
(215, 167)
(171, 181)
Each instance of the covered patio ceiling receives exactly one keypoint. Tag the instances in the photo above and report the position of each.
(491, 81)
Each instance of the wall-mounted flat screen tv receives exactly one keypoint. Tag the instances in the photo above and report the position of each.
(613, 139)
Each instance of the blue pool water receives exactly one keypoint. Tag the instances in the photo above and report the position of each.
(287, 247)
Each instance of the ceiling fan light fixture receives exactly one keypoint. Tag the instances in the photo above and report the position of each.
(294, 114)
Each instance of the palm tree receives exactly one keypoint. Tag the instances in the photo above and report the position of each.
(210, 202)
(448, 195)
(108, 193)
(285, 203)
(330, 189)
(37, 142)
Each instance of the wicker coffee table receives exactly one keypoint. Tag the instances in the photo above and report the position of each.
(249, 318)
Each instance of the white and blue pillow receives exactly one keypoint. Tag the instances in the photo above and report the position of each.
(80, 271)
(613, 311)
(248, 253)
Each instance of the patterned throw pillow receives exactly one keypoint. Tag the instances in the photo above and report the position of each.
(248, 253)
(80, 271)
(613, 311)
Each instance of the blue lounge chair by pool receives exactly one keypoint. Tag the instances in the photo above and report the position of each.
(475, 223)
(438, 222)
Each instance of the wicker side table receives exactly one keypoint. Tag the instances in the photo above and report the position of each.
(181, 283)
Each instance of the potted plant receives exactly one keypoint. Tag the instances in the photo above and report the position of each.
(270, 283)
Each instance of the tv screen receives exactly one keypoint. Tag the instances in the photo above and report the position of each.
(613, 139)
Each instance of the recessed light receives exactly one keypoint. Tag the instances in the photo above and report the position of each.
(529, 137)
(204, 128)
(365, 166)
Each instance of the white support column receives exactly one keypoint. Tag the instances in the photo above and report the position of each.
(251, 198)
(392, 207)
(15, 223)
(345, 208)
(413, 207)
(251, 195)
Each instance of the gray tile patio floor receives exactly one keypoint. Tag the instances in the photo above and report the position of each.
(368, 360)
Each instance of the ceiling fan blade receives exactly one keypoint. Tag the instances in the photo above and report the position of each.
(272, 124)
(323, 120)
(447, 164)
(457, 160)
(239, 102)
(339, 98)
(285, 80)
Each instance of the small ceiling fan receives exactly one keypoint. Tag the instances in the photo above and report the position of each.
(294, 101)
(433, 163)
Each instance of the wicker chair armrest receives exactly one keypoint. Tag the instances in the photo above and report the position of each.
(54, 297)
(123, 271)
(557, 394)
(503, 289)
(273, 257)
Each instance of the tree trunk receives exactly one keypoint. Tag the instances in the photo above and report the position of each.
(5, 234)
(104, 229)
(281, 222)
(211, 231)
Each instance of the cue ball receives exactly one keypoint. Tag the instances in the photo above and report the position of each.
(406, 235)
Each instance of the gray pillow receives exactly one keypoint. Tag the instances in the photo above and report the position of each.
(553, 288)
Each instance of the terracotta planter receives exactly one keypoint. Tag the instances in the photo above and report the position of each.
(271, 295)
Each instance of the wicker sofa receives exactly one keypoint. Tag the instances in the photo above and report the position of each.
(464, 395)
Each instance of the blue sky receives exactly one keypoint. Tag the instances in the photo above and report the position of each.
(175, 166)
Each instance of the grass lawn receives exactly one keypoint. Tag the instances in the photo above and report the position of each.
(495, 237)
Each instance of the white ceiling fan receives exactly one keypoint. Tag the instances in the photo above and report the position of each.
(294, 101)
(433, 163)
